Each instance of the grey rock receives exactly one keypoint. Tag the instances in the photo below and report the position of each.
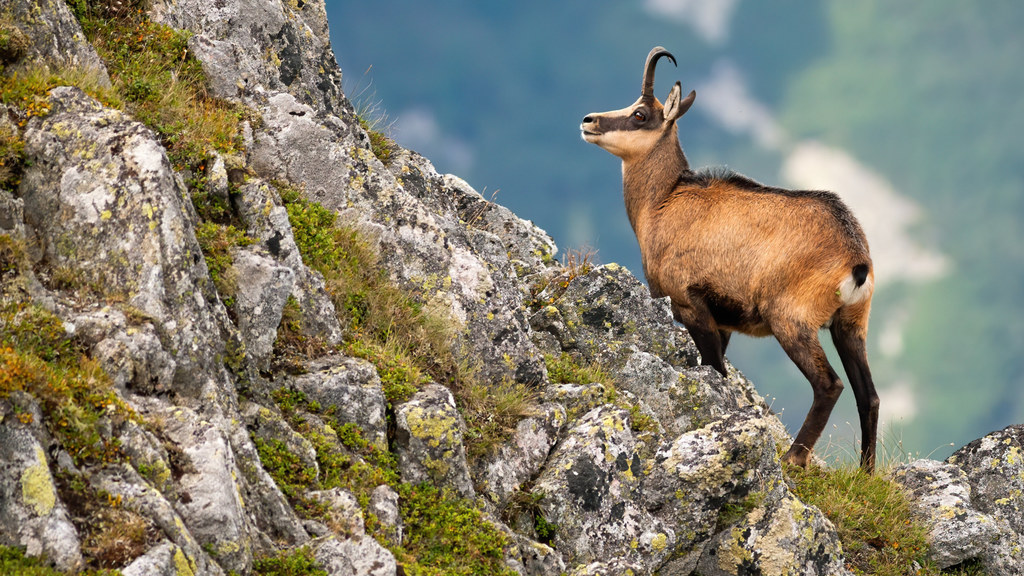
(995, 468)
(504, 471)
(11, 213)
(384, 505)
(530, 248)
(31, 513)
(782, 537)
(353, 556)
(344, 517)
(247, 45)
(592, 490)
(613, 567)
(133, 356)
(606, 315)
(529, 557)
(134, 493)
(425, 248)
(940, 494)
(266, 220)
(103, 202)
(209, 494)
(684, 399)
(53, 37)
(263, 289)
(429, 441)
(352, 390)
(164, 559)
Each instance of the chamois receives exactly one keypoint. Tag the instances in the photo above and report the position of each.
(733, 255)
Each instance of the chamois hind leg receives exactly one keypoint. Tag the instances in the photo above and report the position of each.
(705, 333)
(848, 336)
(806, 352)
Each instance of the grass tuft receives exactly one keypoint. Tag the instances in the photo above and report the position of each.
(872, 515)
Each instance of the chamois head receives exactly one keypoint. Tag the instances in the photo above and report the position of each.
(636, 129)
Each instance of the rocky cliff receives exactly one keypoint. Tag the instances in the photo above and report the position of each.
(244, 333)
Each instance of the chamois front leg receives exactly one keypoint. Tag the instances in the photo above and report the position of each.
(806, 352)
(697, 319)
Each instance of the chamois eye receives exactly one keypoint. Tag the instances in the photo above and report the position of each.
(639, 116)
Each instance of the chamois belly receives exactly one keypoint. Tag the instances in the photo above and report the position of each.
(732, 314)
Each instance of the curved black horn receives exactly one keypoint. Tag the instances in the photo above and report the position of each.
(652, 59)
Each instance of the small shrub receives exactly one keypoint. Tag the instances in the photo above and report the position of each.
(297, 562)
(285, 468)
(12, 159)
(564, 370)
(216, 242)
(37, 356)
(447, 535)
(492, 412)
(14, 562)
(161, 83)
(13, 42)
(112, 535)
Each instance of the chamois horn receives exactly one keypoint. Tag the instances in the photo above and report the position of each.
(652, 60)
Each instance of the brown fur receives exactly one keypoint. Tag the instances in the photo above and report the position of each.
(733, 255)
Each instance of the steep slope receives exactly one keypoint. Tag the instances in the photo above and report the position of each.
(243, 334)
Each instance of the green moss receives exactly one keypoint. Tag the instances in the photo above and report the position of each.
(14, 562)
(564, 370)
(297, 562)
(445, 534)
(216, 242)
(12, 158)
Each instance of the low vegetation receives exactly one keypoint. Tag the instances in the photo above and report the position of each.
(443, 533)
(298, 562)
(14, 562)
(43, 368)
(873, 518)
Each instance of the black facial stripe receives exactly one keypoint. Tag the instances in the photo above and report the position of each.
(626, 122)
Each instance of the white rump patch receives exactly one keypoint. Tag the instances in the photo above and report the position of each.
(850, 293)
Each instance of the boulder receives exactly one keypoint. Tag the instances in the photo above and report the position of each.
(429, 441)
(502, 472)
(31, 513)
(248, 45)
(48, 34)
(104, 204)
(592, 492)
(940, 494)
(259, 301)
(351, 390)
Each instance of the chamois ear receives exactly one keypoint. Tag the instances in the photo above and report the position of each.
(674, 107)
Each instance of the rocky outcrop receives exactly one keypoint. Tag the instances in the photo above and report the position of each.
(973, 503)
(632, 459)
